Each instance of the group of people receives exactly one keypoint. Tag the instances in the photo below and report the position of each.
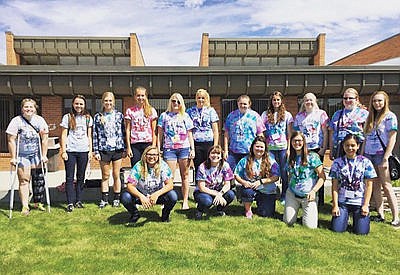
(258, 151)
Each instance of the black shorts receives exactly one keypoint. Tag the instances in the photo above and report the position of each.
(108, 156)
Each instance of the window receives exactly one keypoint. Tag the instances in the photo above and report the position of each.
(93, 105)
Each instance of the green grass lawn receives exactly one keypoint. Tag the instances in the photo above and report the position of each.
(98, 241)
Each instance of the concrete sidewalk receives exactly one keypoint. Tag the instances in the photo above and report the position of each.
(92, 194)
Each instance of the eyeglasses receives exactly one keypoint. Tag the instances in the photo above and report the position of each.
(152, 155)
(175, 101)
(349, 98)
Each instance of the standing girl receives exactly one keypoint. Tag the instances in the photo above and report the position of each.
(313, 123)
(141, 120)
(352, 177)
(109, 146)
(349, 120)
(175, 133)
(29, 132)
(381, 132)
(306, 177)
(213, 183)
(278, 123)
(205, 122)
(76, 149)
(257, 173)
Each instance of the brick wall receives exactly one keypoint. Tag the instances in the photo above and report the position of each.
(383, 50)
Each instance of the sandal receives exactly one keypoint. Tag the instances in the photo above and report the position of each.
(25, 211)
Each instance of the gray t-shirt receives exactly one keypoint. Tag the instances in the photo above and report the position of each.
(77, 139)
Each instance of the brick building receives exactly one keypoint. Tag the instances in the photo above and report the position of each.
(53, 69)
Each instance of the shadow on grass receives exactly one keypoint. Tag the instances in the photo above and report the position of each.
(5, 208)
(145, 217)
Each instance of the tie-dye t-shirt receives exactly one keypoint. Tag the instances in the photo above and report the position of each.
(203, 119)
(28, 137)
(140, 124)
(214, 177)
(277, 133)
(176, 128)
(151, 183)
(351, 122)
(269, 188)
(303, 178)
(372, 144)
(351, 174)
(242, 129)
(311, 126)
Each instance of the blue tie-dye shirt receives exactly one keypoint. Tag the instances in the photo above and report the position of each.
(269, 188)
(303, 178)
(372, 144)
(151, 183)
(203, 118)
(242, 129)
(351, 174)
(277, 133)
(214, 177)
(351, 122)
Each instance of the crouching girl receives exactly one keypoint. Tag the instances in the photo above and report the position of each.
(213, 183)
(149, 183)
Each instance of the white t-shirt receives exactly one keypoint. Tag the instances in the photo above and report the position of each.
(77, 139)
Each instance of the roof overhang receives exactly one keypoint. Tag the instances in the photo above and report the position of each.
(228, 82)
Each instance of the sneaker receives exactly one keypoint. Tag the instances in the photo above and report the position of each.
(199, 215)
(249, 215)
(221, 213)
(377, 218)
(282, 201)
(116, 203)
(40, 206)
(25, 211)
(70, 208)
(396, 224)
(165, 219)
(103, 204)
(79, 204)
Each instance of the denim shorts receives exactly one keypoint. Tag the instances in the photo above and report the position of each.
(375, 159)
(28, 160)
(174, 154)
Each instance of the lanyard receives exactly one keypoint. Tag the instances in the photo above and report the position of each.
(200, 115)
(351, 173)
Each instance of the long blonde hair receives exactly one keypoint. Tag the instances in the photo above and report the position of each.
(375, 117)
(143, 161)
(179, 97)
(106, 94)
(313, 98)
(147, 108)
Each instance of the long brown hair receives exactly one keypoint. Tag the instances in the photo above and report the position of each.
(73, 113)
(271, 109)
(374, 117)
(265, 168)
(217, 149)
(143, 161)
(293, 154)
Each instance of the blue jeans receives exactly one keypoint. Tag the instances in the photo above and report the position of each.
(280, 158)
(169, 200)
(204, 200)
(265, 202)
(80, 160)
(233, 159)
(360, 222)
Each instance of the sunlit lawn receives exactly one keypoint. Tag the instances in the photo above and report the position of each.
(98, 241)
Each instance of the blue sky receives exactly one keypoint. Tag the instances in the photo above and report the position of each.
(170, 31)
